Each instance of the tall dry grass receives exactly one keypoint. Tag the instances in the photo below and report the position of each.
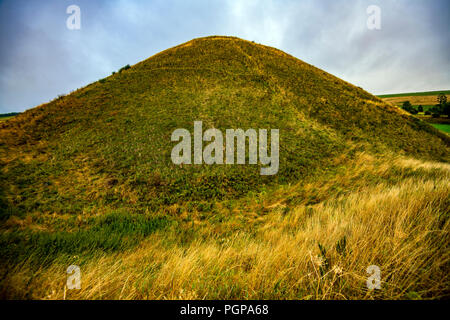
(307, 252)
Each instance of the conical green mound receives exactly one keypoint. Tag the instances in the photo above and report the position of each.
(110, 142)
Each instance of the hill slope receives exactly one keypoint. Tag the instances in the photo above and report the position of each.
(110, 141)
(87, 180)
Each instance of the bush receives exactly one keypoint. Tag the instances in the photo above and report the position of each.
(124, 68)
(446, 109)
(409, 108)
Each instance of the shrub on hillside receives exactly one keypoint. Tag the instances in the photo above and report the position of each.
(125, 68)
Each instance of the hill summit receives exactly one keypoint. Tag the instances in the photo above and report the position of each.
(110, 142)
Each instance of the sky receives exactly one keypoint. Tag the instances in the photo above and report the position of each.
(40, 57)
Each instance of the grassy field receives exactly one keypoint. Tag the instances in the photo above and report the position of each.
(415, 100)
(275, 246)
(87, 180)
(427, 100)
(5, 118)
(414, 94)
(445, 127)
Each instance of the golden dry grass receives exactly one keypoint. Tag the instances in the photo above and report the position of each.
(403, 228)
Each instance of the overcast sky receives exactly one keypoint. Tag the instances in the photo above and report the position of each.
(41, 58)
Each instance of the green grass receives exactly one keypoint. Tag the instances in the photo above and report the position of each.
(424, 93)
(442, 126)
(108, 233)
(219, 253)
(6, 118)
(110, 142)
(89, 174)
(425, 107)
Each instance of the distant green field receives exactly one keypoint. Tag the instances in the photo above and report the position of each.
(425, 93)
(442, 126)
(6, 118)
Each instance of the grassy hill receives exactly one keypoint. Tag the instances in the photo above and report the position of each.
(87, 179)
